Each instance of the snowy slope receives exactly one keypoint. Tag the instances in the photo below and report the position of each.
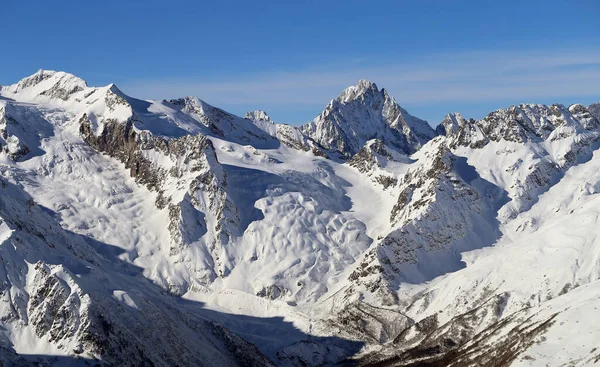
(547, 271)
(364, 234)
(61, 297)
(539, 242)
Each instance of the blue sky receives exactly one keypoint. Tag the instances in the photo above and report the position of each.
(291, 57)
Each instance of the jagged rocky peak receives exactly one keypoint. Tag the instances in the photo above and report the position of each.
(364, 112)
(362, 89)
(522, 123)
(584, 116)
(526, 122)
(451, 124)
(258, 115)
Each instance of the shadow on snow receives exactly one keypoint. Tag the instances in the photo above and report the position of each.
(100, 273)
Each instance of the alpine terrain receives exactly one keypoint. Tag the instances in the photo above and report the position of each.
(174, 233)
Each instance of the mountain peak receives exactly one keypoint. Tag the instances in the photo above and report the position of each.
(258, 115)
(57, 77)
(362, 88)
(47, 83)
(450, 124)
(363, 112)
(365, 84)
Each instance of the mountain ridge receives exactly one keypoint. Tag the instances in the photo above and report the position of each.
(366, 227)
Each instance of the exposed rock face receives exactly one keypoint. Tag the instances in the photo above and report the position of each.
(523, 123)
(442, 207)
(293, 137)
(11, 144)
(379, 325)
(584, 116)
(192, 186)
(287, 135)
(451, 124)
(572, 130)
(370, 156)
(258, 132)
(373, 160)
(49, 84)
(361, 113)
(21, 131)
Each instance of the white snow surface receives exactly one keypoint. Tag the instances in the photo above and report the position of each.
(303, 223)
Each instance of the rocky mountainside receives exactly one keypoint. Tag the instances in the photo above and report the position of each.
(363, 237)
(364, 112)
(60, 296)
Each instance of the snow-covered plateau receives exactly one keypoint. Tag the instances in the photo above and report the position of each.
(174, 233)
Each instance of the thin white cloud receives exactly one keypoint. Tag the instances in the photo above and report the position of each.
(465, 77)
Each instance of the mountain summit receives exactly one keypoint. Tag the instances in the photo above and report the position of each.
(364, 112)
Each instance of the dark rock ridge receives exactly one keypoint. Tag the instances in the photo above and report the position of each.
(228, 126)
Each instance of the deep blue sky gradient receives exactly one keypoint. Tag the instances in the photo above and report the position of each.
(291, 57)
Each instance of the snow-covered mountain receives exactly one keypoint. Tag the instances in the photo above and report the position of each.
(361, 113)
(175, 233)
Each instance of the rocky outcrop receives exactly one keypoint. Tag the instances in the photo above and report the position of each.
(293, 137)
(462, 132)
(594, 110)
(370, 156)
(523, 123)
(48, 84)
(15, 137)
(372, 160)
(11, 144)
